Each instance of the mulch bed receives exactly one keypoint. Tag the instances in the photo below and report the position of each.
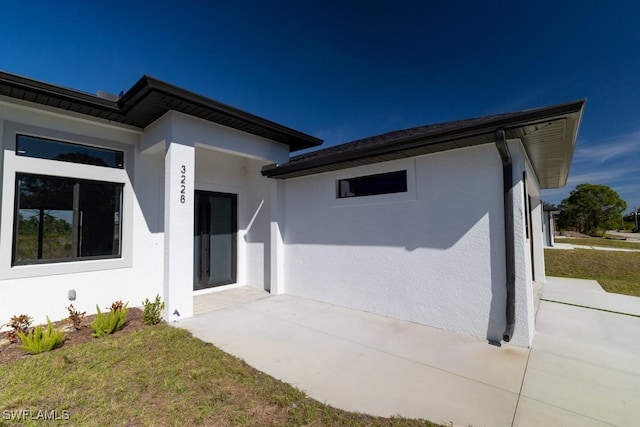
(10, 352)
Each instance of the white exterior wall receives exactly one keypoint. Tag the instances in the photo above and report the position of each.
(179, 168)
(221, 172)
(548, 228)
(434, 255)
(227, 161)
(536, 224)
(525, 265)
(41, 290)
(152, 262)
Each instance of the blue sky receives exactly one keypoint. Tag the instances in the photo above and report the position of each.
(340, 70)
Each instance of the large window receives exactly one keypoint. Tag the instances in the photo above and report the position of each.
(41, 148)
(65, 219)
(370, 185)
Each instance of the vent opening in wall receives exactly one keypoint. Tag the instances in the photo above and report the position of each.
(371, 185)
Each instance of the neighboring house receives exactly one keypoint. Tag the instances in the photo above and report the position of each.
(549, 219)
(166, 191)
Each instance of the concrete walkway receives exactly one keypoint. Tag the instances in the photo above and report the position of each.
(628, 236)
(582, 369)
(569, 246)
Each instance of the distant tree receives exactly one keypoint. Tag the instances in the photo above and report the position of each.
(632, 220)
(591, 208)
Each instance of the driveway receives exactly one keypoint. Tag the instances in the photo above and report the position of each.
(582, 369)
(628, 236)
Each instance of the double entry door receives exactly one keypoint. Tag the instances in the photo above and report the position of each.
(215, 246)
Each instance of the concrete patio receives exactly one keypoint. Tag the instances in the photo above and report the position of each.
(582, 369)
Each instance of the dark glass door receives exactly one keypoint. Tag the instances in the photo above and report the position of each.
(215, 239)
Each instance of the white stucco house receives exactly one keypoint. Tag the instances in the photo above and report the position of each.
(549, 217)
(162, 190)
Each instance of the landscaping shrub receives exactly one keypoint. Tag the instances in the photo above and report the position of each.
(76, 318)
(40, 339)
(117, 305)
(17, 324)
(152, 311)
(111, 321)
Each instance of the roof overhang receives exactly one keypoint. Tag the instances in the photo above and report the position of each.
(548, 134)
(147, 101)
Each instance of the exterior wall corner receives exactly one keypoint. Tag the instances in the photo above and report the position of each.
(178, 230)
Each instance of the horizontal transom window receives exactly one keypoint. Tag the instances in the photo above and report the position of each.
(42, 148)
(66, 219)
(371, 185)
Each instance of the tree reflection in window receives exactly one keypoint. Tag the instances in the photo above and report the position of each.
(41, 148)
(60, 219)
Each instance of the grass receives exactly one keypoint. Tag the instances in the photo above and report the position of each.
(617, 272)
(596, 241)
(161, 376)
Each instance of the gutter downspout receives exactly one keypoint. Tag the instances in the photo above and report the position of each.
(509, 234)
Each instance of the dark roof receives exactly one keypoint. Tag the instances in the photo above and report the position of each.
(548, 134)
(148, 100)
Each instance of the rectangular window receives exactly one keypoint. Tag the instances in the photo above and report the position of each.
(41, 148)
(65, 219)
(370, 185)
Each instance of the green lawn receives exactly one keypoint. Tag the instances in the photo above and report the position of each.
(596, 241)
(161, 376)
(617, 272)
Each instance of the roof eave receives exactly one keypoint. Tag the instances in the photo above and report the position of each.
(123, 110)
(58, 92)
(147, 85)
(458, 138)
(552, 159)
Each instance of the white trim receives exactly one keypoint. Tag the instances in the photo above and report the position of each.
(13, 164)
(408, 164)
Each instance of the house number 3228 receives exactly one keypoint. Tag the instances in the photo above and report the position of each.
(183, 183)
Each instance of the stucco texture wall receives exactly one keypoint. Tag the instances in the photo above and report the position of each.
(40, 290)
(433, 255)
(528, 249)
(222, 172)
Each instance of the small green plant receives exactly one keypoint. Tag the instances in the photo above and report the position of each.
(110, 321)
(76, 318)
(40, 339)
(17, 324)
(152, 314)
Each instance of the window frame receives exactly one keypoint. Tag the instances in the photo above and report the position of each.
(330, 186)
(62, 129)
(75, 224)
(117, 153)
(374, 176)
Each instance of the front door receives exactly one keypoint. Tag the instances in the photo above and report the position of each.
(214, 241)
